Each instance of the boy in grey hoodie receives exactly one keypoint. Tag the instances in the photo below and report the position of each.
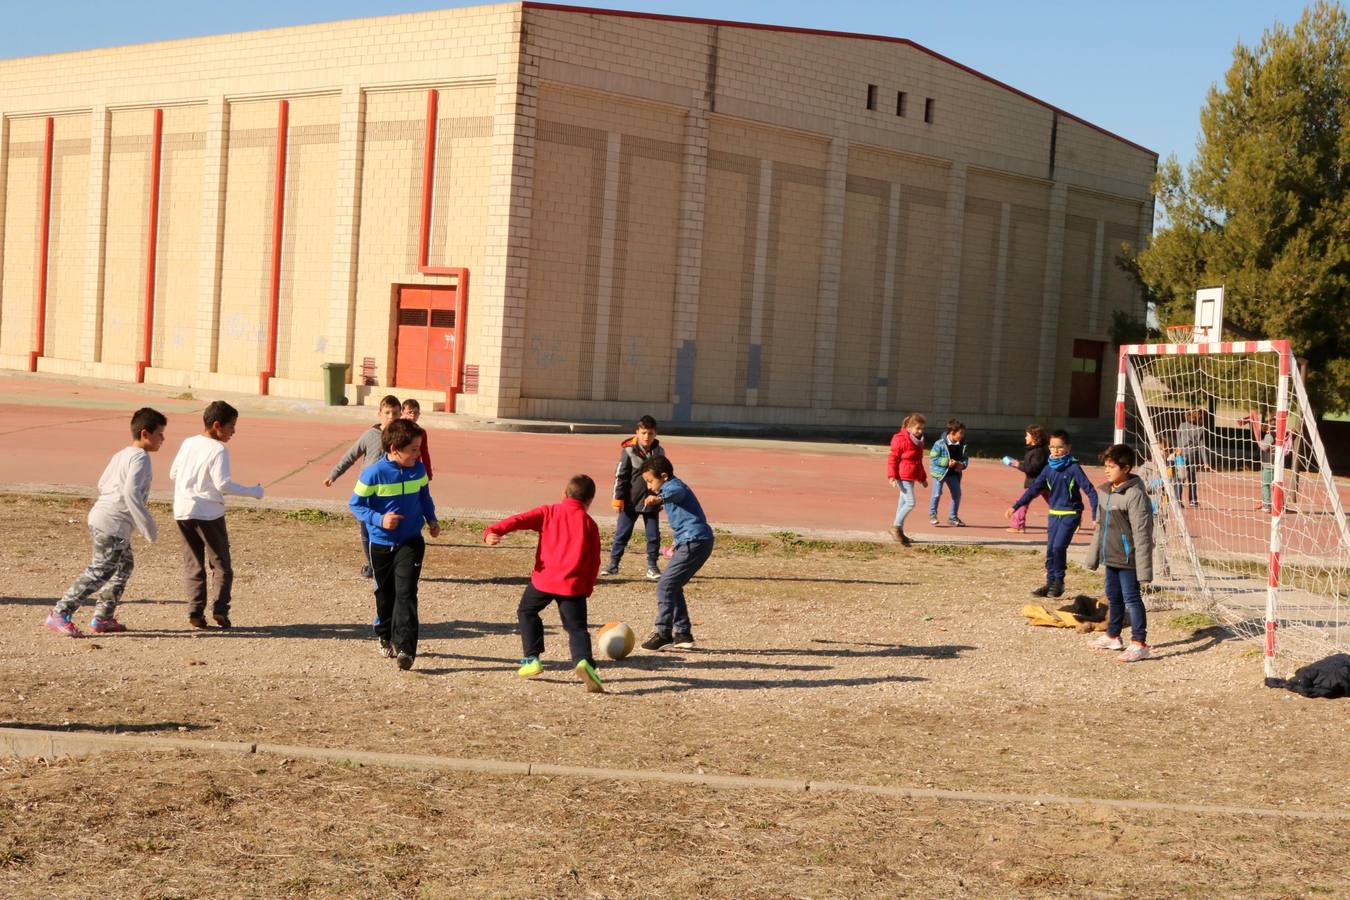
(1124, 544)
(369, 448)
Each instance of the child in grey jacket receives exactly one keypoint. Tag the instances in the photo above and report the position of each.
(1124, 545)
(369, 448)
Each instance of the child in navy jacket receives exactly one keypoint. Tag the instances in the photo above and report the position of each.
(565, 568)
(1067, 483)
(392, 500)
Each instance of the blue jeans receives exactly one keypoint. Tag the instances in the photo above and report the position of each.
(907, 502)
(953, 483)
(623, 530)
(1059, 533)
(672, 613)
(1122, 593)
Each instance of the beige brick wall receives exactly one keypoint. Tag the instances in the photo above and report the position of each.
(70, 200)
(797, 256)
(179, 257)
(128, 221)
(23, 206)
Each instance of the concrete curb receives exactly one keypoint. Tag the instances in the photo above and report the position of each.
(44, 743)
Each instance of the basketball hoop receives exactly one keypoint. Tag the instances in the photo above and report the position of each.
(1187, 334)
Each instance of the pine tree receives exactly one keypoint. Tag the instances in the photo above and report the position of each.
(1264, 208)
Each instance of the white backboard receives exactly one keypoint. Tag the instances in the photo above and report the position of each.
(1209, 314)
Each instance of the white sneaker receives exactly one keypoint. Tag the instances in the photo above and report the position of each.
(1102, 642)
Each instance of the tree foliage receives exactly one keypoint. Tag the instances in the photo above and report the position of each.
(1264, 208)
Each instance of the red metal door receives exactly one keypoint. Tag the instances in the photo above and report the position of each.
(424, 356)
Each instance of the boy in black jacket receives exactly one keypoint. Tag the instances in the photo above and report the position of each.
(630, 493)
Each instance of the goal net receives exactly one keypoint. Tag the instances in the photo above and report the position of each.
(1249, 522)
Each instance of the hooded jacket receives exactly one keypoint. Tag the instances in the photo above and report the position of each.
(905, 461)
(628, 484)
(1067, 485)
(1125, 538)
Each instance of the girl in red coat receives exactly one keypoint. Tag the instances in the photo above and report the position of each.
(904, 466)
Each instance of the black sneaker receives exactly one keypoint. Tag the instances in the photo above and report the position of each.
(683, 640)
(222, 619)
(1056, 588)
(611, 569)
(387, 649)
(655, 641)
(956, 522)
(197, 620)
(1043, 591)
(405, 660)
(367, 572)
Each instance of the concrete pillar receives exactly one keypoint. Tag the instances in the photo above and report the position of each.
(887, 325)
(754, 352)
(1000, 309)
(946, 315)
(831, 264)
(604, 281)
(5, 302)
(689, 261)
(500, 294)
(1095, 301)
(213, 232)
(91, 320)
(1050, 364)
(340, 334)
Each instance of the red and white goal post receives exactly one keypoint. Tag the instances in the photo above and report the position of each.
(1249, 521)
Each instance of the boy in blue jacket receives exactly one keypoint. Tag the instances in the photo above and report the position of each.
(693, 546)
(392, 500)
(948, 458)
(1067, 483)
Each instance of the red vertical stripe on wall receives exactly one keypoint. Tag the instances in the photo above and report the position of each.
(152, 246)
(428, 176)
(278, 217)
(44, 243)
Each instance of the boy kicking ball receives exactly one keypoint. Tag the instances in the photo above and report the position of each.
(566, 561)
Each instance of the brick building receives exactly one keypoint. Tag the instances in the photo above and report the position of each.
(552, 212)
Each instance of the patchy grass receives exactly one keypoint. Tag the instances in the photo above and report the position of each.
(1192, 621)
(311, 515)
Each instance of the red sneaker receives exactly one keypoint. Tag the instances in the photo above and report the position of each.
(106, 626)
(62, 625)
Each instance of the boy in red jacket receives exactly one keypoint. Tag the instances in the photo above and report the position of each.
(566, 563)
(904, 466)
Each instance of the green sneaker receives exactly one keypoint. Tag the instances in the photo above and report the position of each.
(530, 666)
(589, 677)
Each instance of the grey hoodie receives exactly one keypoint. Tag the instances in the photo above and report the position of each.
(369, 445)
(1124, 539)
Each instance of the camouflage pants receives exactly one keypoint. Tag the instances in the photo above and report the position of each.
(105, 578)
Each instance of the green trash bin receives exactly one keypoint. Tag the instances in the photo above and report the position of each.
(335, 384)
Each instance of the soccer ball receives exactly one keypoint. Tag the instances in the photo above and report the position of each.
(616, 640)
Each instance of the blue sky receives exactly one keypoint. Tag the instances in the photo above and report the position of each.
(1139, 69)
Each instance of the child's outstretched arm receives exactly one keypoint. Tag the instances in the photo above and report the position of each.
(1036, 487)
(220, 475)
(530, 520)
(348, 460)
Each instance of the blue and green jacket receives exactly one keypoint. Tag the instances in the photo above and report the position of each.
(1067, 484)
(942, 454)
(385, 486)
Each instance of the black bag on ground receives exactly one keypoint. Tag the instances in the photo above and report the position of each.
(1328, 678)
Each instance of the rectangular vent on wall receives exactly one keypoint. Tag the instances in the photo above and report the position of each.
(413, 317)
(470, 379)
(442, 318)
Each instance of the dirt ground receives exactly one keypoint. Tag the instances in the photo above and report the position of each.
(847, 662)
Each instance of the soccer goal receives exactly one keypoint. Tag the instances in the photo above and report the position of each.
(1249, 521)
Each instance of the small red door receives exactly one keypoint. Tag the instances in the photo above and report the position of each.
(424, 356)
(1085, 380)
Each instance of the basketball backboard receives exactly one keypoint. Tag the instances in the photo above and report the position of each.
(1208, 315)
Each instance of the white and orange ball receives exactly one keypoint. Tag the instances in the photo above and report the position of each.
(616, 640)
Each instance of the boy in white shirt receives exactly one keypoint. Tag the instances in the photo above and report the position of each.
(123, 489)
(201, 478)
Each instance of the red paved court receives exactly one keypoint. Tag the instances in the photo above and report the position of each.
(56, 432)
